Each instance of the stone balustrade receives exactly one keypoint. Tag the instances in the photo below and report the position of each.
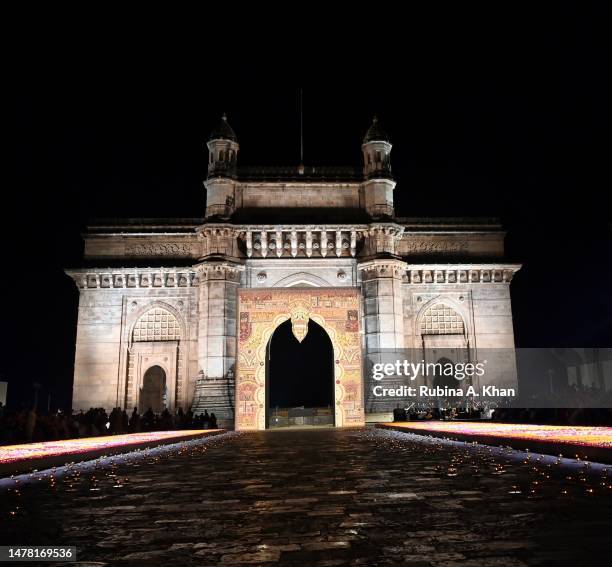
(134, 278)
(302, 241)
(466, 273)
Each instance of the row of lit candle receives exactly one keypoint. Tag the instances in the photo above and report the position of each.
(575, 435)
(27, 451)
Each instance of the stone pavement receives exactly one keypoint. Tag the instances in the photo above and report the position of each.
(319, 497)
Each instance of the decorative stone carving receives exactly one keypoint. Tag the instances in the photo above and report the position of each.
(262, 277)
(157, 324)
(299, 322)
(382, 268)
(219, 271)
(412, 245)
(382, 238)
(222, 239)
(177, 249)
(440, 319)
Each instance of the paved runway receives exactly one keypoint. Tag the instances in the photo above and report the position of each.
(319, 497)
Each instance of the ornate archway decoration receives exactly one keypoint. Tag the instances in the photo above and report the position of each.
(260, 312)
(299, 321)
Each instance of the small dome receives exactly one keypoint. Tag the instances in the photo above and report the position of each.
(375, 133)
(223, 131)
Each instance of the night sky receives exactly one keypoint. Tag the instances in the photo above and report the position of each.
(491, 114)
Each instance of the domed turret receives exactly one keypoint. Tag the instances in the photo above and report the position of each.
(223, 131)
(379, 185)
(376, 133)
(223, 150)
(376, 152)
(222, 163)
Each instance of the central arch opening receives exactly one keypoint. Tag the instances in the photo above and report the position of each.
(299, 378)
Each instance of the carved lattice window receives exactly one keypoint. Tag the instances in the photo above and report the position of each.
(440, 319)
(158, 324)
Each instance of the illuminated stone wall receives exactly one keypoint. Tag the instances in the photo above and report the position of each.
(392, 274)
(112, 350)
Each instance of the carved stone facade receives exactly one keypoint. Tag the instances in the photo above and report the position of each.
(164, 292)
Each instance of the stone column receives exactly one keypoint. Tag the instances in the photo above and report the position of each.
(218, 283)
(383, 318)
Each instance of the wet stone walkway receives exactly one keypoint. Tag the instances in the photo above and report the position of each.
(319, 497)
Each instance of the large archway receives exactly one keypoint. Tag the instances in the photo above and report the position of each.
(154, 336)
(153, 390)
(261, 311)
(299, 377)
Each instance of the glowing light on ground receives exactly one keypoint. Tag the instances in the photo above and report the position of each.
(27, 451)
(600, 437)
(129, 458)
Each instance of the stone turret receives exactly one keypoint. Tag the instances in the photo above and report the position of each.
(379, 183)
(221, 181)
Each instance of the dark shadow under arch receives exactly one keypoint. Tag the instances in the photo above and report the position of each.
(299, 374)
(153, 390)
(442, 379)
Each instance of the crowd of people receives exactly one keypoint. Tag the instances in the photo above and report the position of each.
(554, 416)
(543, 416)
(24, 425)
